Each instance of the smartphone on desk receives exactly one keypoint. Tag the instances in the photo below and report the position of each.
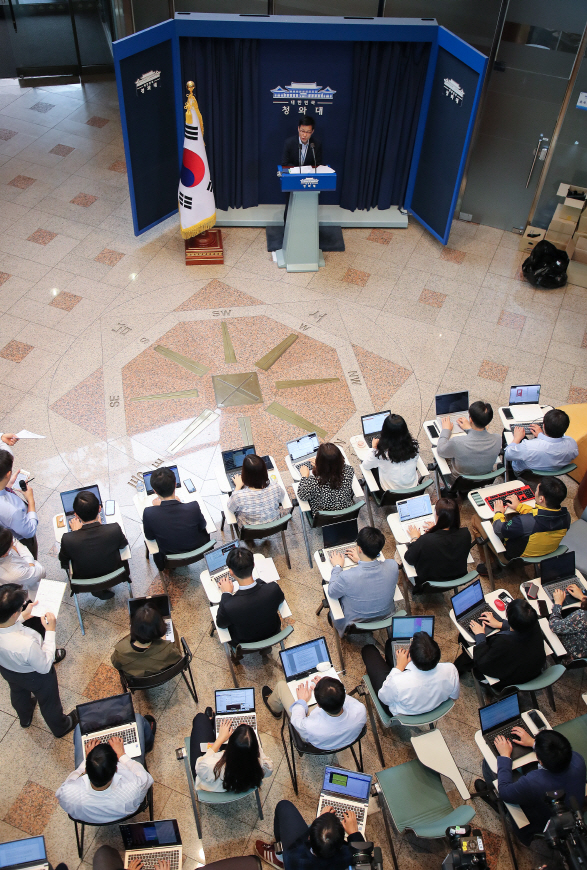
(543, 609)
(189, 485)
(532, 591)
(110, 508)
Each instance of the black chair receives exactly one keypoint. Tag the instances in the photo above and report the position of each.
(131, 684)
(147, 803)
(302, 748)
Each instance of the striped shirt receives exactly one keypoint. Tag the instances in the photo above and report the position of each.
(254, 506)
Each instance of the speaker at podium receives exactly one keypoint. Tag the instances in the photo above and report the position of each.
(301, 250)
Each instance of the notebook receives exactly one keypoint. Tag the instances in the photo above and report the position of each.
(524, 402)
(500, 718)
(236, 705)
(68, 498)
(110, 717)
(151, 842)
(299, 664)
(158, 602)
(453, 405)
(147, 479)
(27, 854)
(346, 790)
(403, 628)
(372, 425)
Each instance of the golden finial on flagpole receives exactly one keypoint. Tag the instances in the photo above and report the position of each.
(190, 101)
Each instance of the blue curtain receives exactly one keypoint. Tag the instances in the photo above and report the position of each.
(226, 75)
(387, 93)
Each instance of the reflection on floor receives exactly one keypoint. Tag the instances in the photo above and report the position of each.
(87, 308)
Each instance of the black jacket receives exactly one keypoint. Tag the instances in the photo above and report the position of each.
(177, 527)
(509, 656)
(440, 555)
(93, 550)
(299, 856)
(251, 614)
(291, 152)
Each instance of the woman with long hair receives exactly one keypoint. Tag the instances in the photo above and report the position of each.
(256, 499)
(241, 766)
(145, 651)
(330, 485)
(441, 551)
(394, 455)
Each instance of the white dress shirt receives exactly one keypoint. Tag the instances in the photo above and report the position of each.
(15, 515)
(18, 566)
(123, 796)
(329, 732)
(206, 778)
(24, 651)
(542, 453)
(412, 691)
(393, 475)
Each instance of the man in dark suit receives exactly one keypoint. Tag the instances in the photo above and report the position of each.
(177, 527)
(302, 149)
(92, 548)
(251, 613)
(560, 769)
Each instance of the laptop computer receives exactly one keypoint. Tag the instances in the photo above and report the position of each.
(68, 498)
(372, 425)
(468, 605)
(27, 854)
(299, 664)
(147, 478)
(216, 565)
(453, 405)
(346, 790)
(302, 451)
(500, 718)
(524, 402)
(233, 461)
(110, 717)
(557, 573)
(236, 706)
(160, 603)
(338, 538)
(415, 511)
(403, 628)
(151, 842)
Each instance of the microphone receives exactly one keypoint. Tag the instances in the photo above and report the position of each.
(314, 153)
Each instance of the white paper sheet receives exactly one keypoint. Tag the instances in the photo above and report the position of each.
(24, 433)
(266, 570)
(49, 596)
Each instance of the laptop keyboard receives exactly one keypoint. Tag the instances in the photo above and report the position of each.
(525, 427)
(219, 577)
(340, 809)
(153, 856)
(473, 616)
(506, 732)
(339, 551)
(524, 494)
(309, 464)
(128, 735)
(241, 719)
(396, 645)
(369, 438)
(561, 584)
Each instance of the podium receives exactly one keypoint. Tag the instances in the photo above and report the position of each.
(300, 251)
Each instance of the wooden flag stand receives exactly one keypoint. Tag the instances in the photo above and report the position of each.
(205, 249)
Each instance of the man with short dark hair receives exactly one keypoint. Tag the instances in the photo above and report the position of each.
(17, 512)
(92, 548)
(251, 613)
(477, 451)
(107, 786)
(177, 527)
(418, 683)
(548, 450)
(365, 591)
(303, 149)
(309, 847)
(336, 720)
(27, 660)
(560, 769)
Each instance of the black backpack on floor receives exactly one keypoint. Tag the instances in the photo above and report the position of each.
(546, 267)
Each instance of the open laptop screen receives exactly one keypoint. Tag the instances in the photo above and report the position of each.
(374, 422)
(147, 479)
(413, 508)
(337, 534)
(452, 403)
(407, 626)
(525, 394)
(68, 498)
(23, 852)
(217, 558)
(347, 783)
(160, 603)
(303, 446)
(304, 658)
(467, 598)
(493, 715)
(234, 458)
(235, 701)
(557, 568)
(105, 713)
(147, 835)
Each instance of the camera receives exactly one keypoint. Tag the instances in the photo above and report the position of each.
(467, 848)
(365, 856)
(566, 832)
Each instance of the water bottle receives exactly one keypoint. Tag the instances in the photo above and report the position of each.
(140, 486)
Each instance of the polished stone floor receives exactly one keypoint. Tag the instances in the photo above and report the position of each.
(394, 319)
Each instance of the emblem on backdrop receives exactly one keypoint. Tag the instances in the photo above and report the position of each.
(302, 97)
(147, 81)
(454, 91)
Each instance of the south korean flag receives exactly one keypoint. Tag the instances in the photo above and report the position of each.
(197, 208)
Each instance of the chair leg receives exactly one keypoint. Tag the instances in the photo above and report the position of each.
(293, 763)
(130, 595)
(212, 628)
(150, 801)
(534, 700)
(506, 833)
(259, 807)
(232, 673)
(479, 691)
(79, 840)
(406, 592)
(305, 534)
(385, 812)
(367, 495)
(79, 613)
(322, 606)
(223, 521)
(550, 696)
(358, 761)
(192, 687)
(287, 559)
(487, 557)
(338, 647)
(193, 795)
(374, 729)
(147, 554)
(286, 753)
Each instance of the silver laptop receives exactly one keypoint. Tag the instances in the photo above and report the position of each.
(338, 538)
(216, 564)
(302, 451)
(525, 402)
(160, 603)
(28, 854)
(403, 628)
(151, 842)
(237, 706)
(453, 405)
(110, 717)
(372, 425)
(415, 511)
(299, 664)
(346, 790)
(558, 572)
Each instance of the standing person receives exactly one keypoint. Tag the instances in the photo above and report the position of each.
(393, 456)
(330, 487)
(476, 452)
(17, 512)
(17, 564)
(175, 526)
(27, 662)
(255, 499)
(303, 149)
(441, 552)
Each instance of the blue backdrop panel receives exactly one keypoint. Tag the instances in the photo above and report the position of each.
(329, 64)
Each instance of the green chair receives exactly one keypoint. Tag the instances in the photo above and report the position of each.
(266, 530)
(384, 497)
(447, 585)
(253, 647)
(179, 560)
(545, 681)
(575, 730)
(554, 472)
(365, 688)
(96, 584)
(484, 479)
(371, 625)
(536, 560)
(325, 518)
(413, 797)
(200, 796)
